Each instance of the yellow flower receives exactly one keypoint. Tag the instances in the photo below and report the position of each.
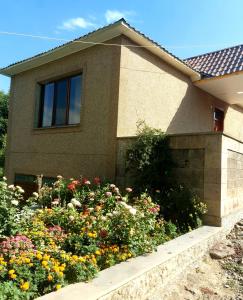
(44, 263)
(97, 252)
(61, 268)
(50, 277)
(31, 265)
(39, 256)
(10, 272)
(46, 257)
(13, 276)
(81, 259)
(58, 286)
(60, 274)
(25, 286)
(27, 260)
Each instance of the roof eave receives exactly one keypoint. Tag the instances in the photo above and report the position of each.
(100, 36)
(160, 52)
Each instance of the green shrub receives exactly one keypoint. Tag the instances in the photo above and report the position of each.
(150, 166)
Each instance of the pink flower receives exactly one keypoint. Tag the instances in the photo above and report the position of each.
(128, 190)
(108, 194)
(97, 181)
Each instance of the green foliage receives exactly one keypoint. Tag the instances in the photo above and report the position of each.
(150, 163)
(183, 207)
(10, 196)
(4, 98)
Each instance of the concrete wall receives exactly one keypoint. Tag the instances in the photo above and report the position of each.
(232, 175)
(211, 164)
(88, 148)
(153, 91)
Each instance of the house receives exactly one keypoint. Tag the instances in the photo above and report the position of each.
(74, 110)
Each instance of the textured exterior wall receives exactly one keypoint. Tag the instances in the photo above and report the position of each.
(231, 175)
(153, 91)
(233, 122)
(198, 158)
(189, 168)
(211, 164)
(87, 149)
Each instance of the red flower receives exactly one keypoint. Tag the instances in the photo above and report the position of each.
(76, 182)
(71, 186)
(86, 181)
(103, 233)
(97, 180)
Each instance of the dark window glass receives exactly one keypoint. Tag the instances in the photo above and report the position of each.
(218, 120)
(61, 103)
(48, 104)
(74, 102)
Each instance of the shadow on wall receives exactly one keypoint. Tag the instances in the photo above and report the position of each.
(194, 114)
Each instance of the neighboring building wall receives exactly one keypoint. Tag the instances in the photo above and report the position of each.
(87, 149)
(153, 91)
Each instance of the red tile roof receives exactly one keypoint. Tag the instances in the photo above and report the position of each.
(219, 62)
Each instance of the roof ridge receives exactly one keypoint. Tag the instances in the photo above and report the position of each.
(215, 51)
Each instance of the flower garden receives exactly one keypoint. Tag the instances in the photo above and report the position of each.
(70, 231)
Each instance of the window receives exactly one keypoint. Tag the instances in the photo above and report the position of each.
(218, 120)
(61, 102)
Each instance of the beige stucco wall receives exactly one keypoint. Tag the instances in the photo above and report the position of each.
(153, 91)
(233, 122)
(87, 149)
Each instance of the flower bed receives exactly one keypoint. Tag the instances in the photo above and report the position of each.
(69, 232)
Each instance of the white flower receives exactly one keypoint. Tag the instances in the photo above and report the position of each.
(11, 187)
(59, 177)
(103, 218)
(116, 190)
(124, 204)
(4, 178)
(19, 188)
(90, 209)
(128, 190)
(75, 202)
(132, 211)
(115, 212)
(35, 194)
(15, 202)
(109, 214)
(71, 218)
(112, 186)
(70, 205)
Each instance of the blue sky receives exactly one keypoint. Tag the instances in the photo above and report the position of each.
(185, 28)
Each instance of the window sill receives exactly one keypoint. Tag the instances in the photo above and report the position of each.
(57, 129)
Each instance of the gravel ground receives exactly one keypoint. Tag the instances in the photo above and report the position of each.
(219, 275)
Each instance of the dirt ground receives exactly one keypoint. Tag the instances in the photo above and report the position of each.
(220, 277)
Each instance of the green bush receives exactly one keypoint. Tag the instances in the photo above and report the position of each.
(150, 166)
(149, 162)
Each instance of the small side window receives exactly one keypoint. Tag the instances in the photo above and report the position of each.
(218, 120)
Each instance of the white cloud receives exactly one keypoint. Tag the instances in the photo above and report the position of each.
(76, 23)
(114, 15)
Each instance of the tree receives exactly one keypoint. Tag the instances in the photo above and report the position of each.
(4, 99)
